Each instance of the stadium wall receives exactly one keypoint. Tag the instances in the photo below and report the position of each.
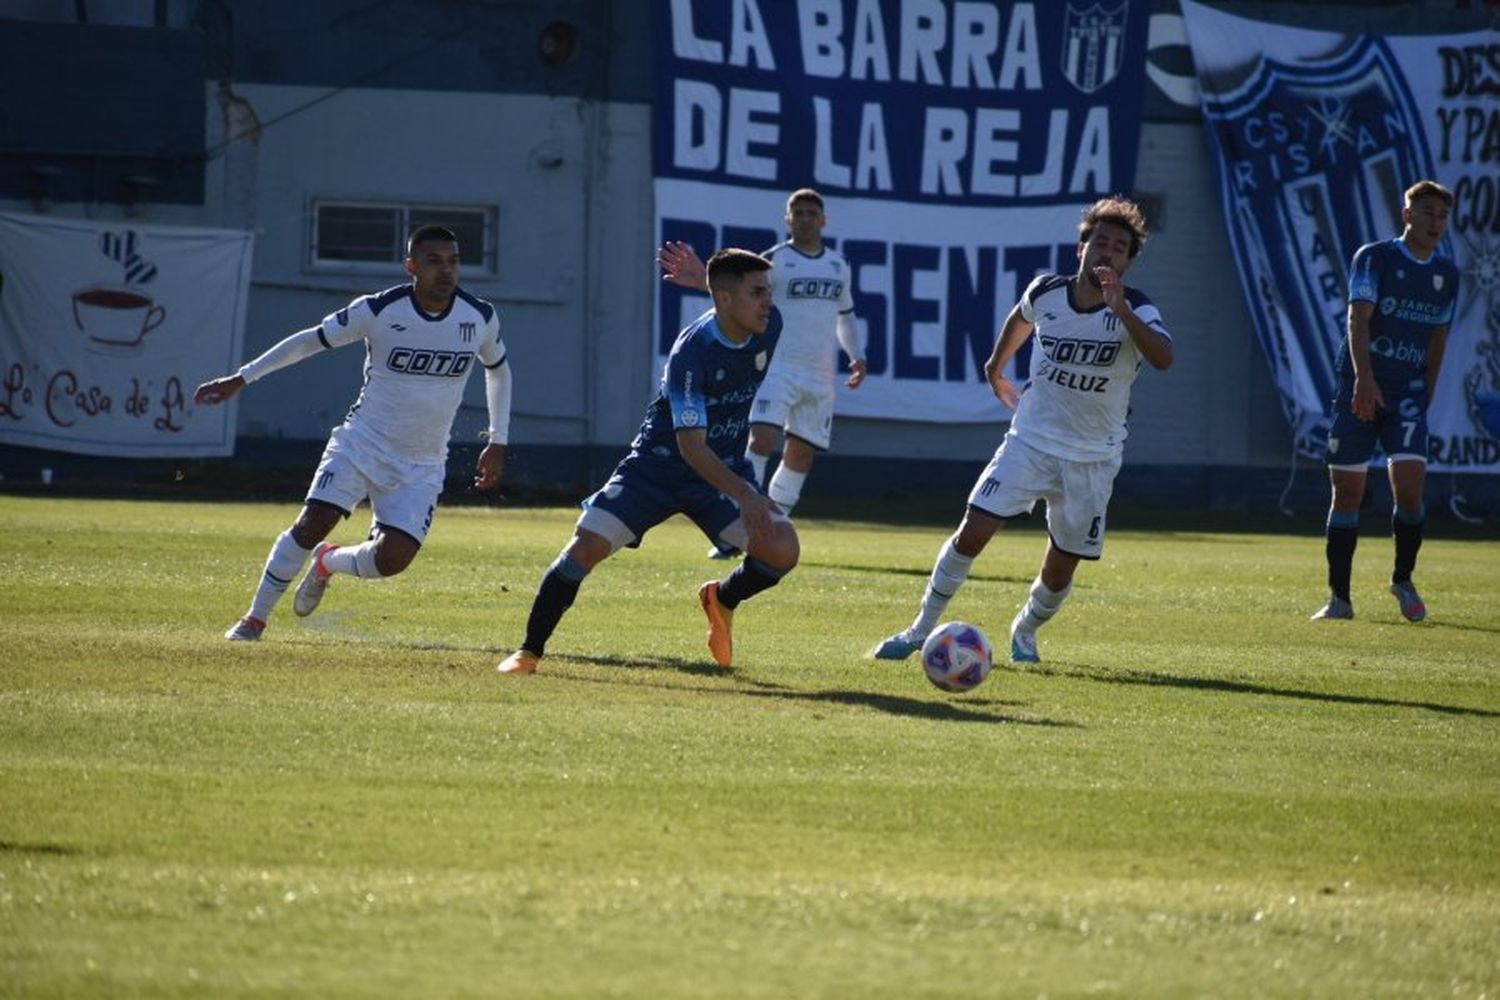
(417, 101)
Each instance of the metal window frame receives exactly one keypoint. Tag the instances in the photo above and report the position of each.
(485, 262)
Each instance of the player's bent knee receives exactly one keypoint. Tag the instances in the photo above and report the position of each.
(588, 549)
(392, 559)
(781, 550)
(313, 525)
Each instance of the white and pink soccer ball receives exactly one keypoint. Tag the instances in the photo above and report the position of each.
(957, 656)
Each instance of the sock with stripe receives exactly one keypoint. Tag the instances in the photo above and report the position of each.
(786, 487)
(283, 566)
(356, 560)
(1407, 527)
(1342, 537)
(553, 598)
(758, 462)
(949, 573)
(746, 580)
(1041, 604)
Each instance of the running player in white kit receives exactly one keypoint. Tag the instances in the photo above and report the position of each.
(421, 341)
(813, 289)
(1068, 433)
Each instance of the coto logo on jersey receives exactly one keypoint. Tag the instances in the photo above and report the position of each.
(1070, 351)
(415, 361)
(814, 288)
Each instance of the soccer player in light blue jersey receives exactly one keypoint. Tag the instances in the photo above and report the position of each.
(688, 458)
(1401, 296)
(813, 287)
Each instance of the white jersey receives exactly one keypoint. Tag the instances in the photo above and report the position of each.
(1083, 364)
(416, 366)
(811, 292)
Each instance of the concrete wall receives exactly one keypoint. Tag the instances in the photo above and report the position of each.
(567, 161)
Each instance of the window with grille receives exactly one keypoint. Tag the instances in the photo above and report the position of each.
(368, 235)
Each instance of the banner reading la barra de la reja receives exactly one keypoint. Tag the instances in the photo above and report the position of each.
(955, 145)
(106, 329)
(1317, 135)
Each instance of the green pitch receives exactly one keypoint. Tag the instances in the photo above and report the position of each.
(1199, 792)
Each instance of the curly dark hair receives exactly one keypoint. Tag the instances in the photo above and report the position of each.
(1119, 210)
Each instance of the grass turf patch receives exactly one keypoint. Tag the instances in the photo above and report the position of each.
(1197, 791)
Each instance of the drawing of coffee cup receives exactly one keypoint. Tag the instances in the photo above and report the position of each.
(116, 320)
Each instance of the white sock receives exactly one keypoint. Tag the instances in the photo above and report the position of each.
(950, 572)
(758, 462)
(356, 560)
(786, 487)
(282, 567)
(1041, 605)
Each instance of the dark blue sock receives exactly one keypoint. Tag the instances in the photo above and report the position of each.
(1343, 535)
(553, 598)
(1406, 528)
(748, 579)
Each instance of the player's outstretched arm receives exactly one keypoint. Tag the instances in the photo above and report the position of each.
(302, 344)
(682, 266)
(219, 390)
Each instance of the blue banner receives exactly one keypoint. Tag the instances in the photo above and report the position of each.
(1316, 136)
(955, 144)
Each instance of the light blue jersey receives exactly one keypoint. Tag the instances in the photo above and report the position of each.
(1411, 298)
(709, 381)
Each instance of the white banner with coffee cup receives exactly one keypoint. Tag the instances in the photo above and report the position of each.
(107, 327)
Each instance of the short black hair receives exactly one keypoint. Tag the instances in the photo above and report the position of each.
(804, 194)
(430, 233)
(728, 267)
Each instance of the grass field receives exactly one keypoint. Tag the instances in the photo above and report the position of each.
(1197, 793)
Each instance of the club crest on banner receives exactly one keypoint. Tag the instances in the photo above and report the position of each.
(1313, 159)
(1093, 45)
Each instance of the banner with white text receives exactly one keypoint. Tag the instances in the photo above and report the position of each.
(1316, 136)
(106, 329)
(955, 145)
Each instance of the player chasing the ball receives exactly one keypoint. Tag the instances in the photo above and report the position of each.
(688, 458)
(813, 288)
(1401, 296)
(422, 338)
(1067, 436)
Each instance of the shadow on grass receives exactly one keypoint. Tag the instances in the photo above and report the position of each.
(966, 710)
(17, 847)
(1493, 629)
(924, 573)
(1152, 679)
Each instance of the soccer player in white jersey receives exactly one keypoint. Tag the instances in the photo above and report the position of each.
(1068, 433)
(421, 340)
(813, 289)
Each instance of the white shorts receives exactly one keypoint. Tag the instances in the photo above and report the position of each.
(402, 495)
(1077, 493)
(799, 403)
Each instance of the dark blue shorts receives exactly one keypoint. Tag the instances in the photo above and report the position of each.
(643, 494)
(1399, 428)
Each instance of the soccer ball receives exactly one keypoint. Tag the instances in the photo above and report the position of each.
(957, 656)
